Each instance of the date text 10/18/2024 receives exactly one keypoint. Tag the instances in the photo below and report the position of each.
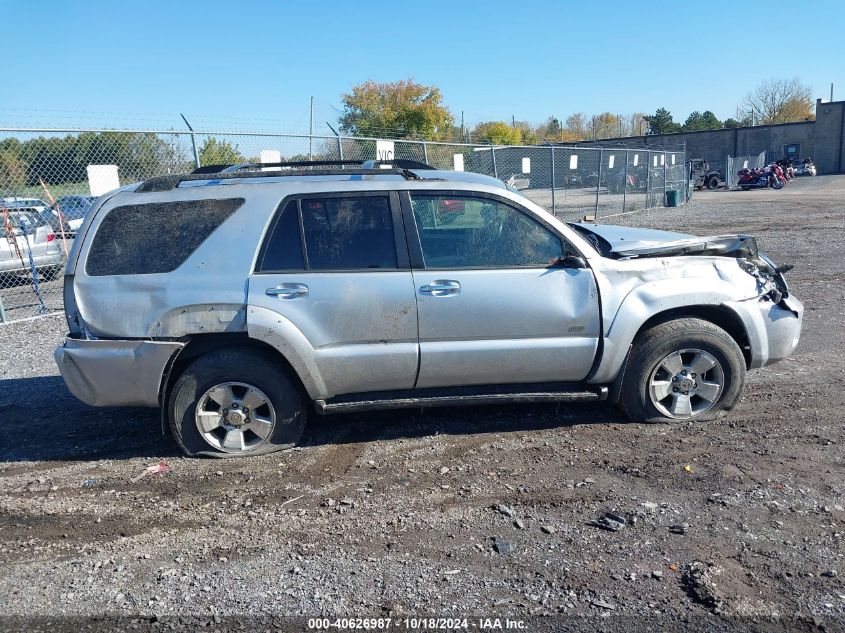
(422, 624)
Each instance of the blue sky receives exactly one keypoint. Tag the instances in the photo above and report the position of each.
(254, 64)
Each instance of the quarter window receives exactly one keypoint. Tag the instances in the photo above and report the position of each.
(141, 239)
(468, 232)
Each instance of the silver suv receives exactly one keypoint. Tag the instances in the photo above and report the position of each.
(239, 301)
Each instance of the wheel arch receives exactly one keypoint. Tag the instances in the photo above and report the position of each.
(718, 315)
(200, 344)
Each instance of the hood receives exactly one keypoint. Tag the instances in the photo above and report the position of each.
(622, 241)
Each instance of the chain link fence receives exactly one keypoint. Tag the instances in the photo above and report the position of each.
(736, 163)
(49, 179)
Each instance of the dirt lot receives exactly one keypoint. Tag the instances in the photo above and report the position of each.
(394, 514)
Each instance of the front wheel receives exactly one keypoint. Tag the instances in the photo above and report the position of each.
(713, 184)
(680, 370)
(236, 402)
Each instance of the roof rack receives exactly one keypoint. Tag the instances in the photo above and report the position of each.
(399, 163)
(166, 183)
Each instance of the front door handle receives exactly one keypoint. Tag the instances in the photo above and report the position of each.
(287, 291)
(441, 288)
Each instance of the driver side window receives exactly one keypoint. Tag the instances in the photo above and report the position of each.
(474, 232)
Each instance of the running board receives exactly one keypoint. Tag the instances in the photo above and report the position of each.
(349, 406)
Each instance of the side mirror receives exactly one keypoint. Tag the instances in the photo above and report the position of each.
(570, 261)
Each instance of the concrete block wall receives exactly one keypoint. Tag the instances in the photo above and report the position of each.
(830, 126)
(823, 140)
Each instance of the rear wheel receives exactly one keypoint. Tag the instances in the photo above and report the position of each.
(236, 402)
(680, 370)
(713, 184)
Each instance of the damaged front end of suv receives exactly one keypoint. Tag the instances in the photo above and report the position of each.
(660, 272)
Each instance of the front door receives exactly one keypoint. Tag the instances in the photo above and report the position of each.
(495, 305)
(336, 267)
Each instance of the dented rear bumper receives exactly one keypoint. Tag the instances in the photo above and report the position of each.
(106, 373)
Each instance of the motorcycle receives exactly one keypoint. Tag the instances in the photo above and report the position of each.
(758, 179)
(778, 172)
(788, 170)
(806, 168)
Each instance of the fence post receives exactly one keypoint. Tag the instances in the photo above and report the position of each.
(339, 148)
(552, 147)
(495, 169)
(193, 141)
(664, 178)
(648, 180)
(625, 185)
(425, 152)
(598, 182)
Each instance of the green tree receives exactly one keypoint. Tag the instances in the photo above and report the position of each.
(697, 121)
(780, 101)
(661, 122)
(497, 133)
(400, 108)
(12, 167)
(731, 123)
(551, 129)
(214, 152)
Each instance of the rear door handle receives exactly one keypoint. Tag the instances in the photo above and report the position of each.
(441, 288)
(287, 291)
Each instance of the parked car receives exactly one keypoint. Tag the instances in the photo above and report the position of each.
(23, 231)
(266, 295)
(72, 210)
(36, 204)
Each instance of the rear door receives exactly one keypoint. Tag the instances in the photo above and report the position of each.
(337, 267)
(493, 306)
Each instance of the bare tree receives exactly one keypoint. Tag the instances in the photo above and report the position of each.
(638, 124)
(780, 101)
(576, 124)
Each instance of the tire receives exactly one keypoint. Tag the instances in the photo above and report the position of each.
(697, 343)
(745, 188)
(713, 184)
(248, 376)
(777, 184)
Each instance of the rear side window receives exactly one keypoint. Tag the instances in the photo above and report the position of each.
(284, 248)
(347, 233)
(142, 239)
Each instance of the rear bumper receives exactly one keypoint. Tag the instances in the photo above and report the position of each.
(41, 261)
(107, 373)
(773, 329)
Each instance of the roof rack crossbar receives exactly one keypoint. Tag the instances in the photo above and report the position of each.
(398, 163)
(166, 183)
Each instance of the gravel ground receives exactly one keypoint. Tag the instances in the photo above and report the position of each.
(456, 512)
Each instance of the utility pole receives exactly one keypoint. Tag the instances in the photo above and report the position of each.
(463, 129)
(831, 92)
(311, 132)
(513, 121)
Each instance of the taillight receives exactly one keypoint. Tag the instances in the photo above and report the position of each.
(51, 237)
